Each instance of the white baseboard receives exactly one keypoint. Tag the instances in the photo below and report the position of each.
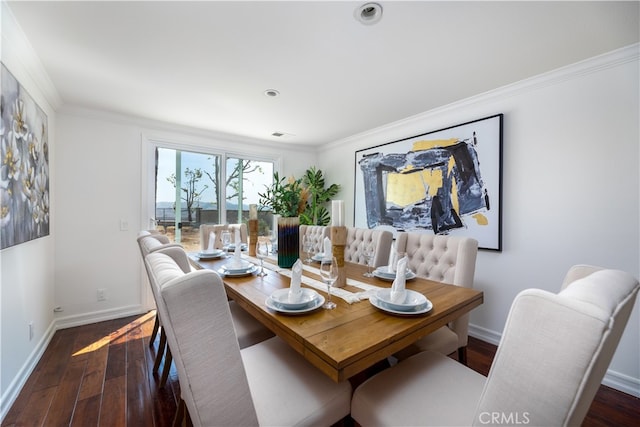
(12, 392)
(622, 382)
(98, 316)
(613, 379)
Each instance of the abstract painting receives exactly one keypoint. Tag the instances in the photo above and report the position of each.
(24, 165)
(443, 182)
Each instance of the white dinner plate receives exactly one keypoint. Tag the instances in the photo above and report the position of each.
(412, 300)
(318, 257)
(244, 266)
(384, 307)
(281, 296)
(391, 277)
(211, 255)
(224, 273)
(313, 305)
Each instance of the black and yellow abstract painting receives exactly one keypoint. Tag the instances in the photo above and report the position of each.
(445, 182)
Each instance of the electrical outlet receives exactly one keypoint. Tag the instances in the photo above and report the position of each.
(124, 225)
(102, 295)
(30, 330)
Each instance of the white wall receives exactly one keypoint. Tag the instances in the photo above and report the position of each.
(26, 273)
(570, 185)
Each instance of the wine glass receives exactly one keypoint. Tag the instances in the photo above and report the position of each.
(307, 247)
(329, 274)
(226, 241)
(368, 252)
(262, 251)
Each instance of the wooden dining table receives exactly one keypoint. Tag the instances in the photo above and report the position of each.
(354, 336)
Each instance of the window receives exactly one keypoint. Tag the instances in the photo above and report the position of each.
(190, 183)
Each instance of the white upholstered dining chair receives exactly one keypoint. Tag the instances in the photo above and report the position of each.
(150, 242)
(554, 352)
(447, 259)
(167, 263)
(221, 385)
(358, 238)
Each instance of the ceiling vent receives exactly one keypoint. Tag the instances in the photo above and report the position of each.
(369, 13)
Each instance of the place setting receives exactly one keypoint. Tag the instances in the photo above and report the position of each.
(211, 252)
(388, 272)
(326, 249)
(295, 299)
(236, 266)
(399, 300)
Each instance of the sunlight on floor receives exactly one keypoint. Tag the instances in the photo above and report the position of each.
(117, 333)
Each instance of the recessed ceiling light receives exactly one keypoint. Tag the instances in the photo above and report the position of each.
(272, 93)
(369, 13)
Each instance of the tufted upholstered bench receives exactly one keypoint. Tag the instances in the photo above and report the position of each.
(315, 232)
(447, 259)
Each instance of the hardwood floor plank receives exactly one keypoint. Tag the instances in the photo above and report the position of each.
(58, 358)
(87, 412)
(63, 403)
(112, 406)
(37, 407)
(138, 411)
(94, 376)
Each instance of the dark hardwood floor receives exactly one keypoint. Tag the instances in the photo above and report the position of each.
(101, 375)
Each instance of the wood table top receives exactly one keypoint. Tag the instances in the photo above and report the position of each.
(352, 337)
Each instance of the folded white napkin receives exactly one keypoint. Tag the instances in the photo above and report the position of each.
(237, 256)
(398, 292)
(327, 249)
(212, 242)
(393, 259)
(295, 293)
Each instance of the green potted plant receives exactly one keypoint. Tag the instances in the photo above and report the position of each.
(316, 213)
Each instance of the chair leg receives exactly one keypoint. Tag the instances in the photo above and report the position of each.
(160, 353)
(179, 418)
(167, 367)
(462, 355)
(154, 333)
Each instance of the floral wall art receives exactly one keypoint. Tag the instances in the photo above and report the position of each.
(445, 182)
(24, 165)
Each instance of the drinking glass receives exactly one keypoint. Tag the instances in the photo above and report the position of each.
(226, 241)
(307, 247)
(329, 274)
(262, 251)
(368, 252)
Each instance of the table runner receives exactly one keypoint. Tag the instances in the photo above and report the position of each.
(348, 296)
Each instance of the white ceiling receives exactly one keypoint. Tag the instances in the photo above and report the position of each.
(207, 64)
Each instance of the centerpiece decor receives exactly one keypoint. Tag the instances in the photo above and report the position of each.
(288, 199)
